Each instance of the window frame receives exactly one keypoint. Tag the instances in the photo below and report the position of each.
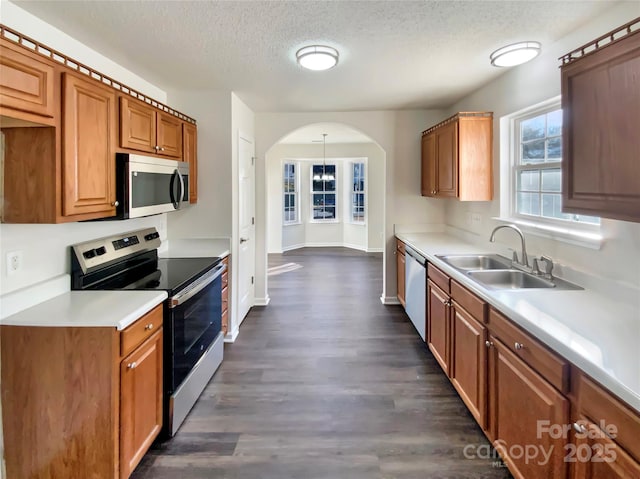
(295, 193)
(353, 192)
(557, 228)
(336, 219)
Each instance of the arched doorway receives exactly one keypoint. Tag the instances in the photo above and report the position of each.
(347, 152)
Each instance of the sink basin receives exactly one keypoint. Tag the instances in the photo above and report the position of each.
(510, 279)
(468, 262)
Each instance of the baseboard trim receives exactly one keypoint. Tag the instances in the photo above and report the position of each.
(333, 245)
(262, 301)
(295, 246)
(375, 250)
(389, 300)
(231, 336)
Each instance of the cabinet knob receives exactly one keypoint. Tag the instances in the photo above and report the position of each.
(149, 327)
(115, 203)
(518, 346)
(162, 148)
(132, 365)
(433, 192)
(447, 302)
(488, 344)
(579, 428)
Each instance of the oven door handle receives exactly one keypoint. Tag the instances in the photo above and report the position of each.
(197, 286)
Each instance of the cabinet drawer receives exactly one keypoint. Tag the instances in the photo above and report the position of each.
(552, 367)
(140, 330)
(599, 405)
(400, 246)
(225, 279)
(469, 301)
(439, 278)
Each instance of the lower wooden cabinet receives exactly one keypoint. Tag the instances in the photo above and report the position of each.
(522, 404)
(438, 334)
(81, 402)
(140, 402)
(595, 455)
(468, 369)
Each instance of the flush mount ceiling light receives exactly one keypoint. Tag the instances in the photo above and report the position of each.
(317, 57)
(515, 54)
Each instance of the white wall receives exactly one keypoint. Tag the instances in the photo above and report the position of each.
(368, 237)
(211, 216)
(398, 134)
(527, 85)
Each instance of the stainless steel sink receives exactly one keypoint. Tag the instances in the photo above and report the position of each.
(514, 279)
(509, 279)
(469, 262)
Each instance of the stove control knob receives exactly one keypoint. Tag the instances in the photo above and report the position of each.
(100, 251)
(151, 236)
(89, 254)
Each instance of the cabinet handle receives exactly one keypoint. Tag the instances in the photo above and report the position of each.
(115, 203)
(132, 365)
(149, 327)
(488, 344)
(518, 346)
(156, 147)
(579, 428)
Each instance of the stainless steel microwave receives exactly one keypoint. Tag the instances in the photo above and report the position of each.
(147, 185)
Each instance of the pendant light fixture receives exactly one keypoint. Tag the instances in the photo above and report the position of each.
(325, 176)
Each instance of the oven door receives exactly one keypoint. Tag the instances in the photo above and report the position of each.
(195, 317)
(155, 185)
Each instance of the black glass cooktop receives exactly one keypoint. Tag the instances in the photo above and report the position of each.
(168, 274)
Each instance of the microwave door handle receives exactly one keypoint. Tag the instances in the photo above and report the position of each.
(181, 196)
(175, 204)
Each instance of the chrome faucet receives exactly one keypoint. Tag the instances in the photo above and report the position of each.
(525, 261)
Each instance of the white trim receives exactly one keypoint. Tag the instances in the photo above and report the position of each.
(365, 192)
(333, 245)
(580, 234)
(231, 336)
(375, 250)
(390, 300)
(296, 192)
(262, 301)
(291, 247)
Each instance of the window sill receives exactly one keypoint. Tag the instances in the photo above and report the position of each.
(585, 239)
(294, 223)
(332, 221)
(358, 223)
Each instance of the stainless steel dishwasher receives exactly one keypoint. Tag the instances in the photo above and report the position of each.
(416, 290)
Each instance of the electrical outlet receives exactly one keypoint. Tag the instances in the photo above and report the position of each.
(476, 220)
(14, 262)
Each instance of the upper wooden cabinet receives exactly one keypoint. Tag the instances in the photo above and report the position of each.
(60, 124)
(456, 158)
(144, 128)
(601, 121)
(190, 155)
(89, 123)
(26, 86)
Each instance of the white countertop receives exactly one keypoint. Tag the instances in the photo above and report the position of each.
(195, 248)
(597, 334)
(116, 309)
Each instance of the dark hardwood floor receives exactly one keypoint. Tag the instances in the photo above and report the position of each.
(325, 382)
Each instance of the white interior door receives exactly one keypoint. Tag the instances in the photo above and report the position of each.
(247, 246)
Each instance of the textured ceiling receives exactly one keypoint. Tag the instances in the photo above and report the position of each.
(395, 54)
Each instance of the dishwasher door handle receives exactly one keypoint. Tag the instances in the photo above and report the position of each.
(415, 256)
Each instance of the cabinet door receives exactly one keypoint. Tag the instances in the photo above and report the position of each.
(190, 136)
(88, 160)
(600, 141)
(140, 402)
(596, 456)
(438, 324)
(447, 160)
(137, 125)
(169, 135)
(400, 263)
(521, 403)
(26, 84)
(428, 165)
(469, 362)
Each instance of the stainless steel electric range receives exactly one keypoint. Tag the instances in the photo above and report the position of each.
(193, 339)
